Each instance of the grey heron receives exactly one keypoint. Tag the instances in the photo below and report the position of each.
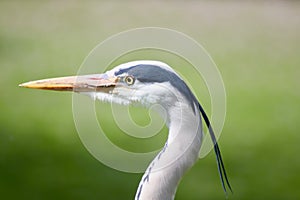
(148, 83)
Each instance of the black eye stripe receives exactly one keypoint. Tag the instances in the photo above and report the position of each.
(155, 74)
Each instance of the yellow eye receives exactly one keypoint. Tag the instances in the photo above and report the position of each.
(129, 80)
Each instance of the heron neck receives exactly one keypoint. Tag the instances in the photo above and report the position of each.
(180, 152)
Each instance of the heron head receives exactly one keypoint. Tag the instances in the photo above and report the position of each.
(137, 82)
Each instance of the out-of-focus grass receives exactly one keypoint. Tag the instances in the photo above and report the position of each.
(255, 45)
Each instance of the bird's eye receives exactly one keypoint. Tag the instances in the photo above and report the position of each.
(129, 80)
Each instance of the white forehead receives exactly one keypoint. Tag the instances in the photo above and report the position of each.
(139, 62)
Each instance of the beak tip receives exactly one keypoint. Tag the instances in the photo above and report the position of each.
(24, 85)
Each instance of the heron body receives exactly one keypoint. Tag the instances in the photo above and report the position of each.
(150, 83)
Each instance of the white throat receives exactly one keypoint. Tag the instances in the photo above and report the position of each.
(180, 152)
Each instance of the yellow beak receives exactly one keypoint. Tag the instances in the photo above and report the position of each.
(84, 83)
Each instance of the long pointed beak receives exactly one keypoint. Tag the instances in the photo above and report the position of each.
(84, 83)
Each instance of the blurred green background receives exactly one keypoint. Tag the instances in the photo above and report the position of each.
(256, 46)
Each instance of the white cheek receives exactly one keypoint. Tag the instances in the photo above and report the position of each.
(154, 93)
(144, 94)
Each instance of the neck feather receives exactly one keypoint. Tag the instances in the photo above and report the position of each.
(180, 152)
